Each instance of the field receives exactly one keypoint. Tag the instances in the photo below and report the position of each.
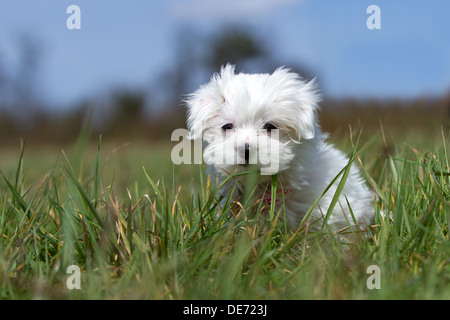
(139, 227)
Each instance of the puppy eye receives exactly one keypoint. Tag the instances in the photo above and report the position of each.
(269, 127)
(228, 126)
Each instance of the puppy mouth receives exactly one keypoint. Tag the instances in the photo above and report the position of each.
(247, 154)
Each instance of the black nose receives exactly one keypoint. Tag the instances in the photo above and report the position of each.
(247, 153)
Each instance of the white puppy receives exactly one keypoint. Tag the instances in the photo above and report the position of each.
(269, 121)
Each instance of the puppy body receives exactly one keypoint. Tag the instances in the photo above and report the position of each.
(269, 121)
(313, 168)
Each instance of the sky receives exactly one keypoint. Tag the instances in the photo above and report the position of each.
(131, 43)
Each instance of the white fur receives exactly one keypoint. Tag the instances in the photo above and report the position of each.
(306, 163)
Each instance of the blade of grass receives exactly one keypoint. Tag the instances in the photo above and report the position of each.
(341, 184)
(84, 196)
(96, 174)
(21, 202)
(22, 149)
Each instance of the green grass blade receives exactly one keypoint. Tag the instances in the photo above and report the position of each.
(84, 196)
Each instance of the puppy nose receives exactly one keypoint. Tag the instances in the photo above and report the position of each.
(247, 153)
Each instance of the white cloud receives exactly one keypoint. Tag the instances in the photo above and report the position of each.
(221, 10)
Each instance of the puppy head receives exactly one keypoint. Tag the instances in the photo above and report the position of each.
(252, 118)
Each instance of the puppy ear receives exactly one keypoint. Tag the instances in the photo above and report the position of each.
(204, 104)
(197, 105)
(307, 99)
(308, 109)
(297, 100)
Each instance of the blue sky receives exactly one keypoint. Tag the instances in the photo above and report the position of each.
(130, 43)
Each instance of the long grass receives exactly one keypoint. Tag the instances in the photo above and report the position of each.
(157, 231)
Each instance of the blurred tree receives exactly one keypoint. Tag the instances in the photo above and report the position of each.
(248, 51)
(25, 89)
(234, 45)
(129, 105)
(2, 74)
(128, 112)
(177, 80)
(3, 80)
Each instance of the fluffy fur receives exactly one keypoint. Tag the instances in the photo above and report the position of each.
(269, 121)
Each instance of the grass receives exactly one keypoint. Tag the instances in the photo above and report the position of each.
(141, 228)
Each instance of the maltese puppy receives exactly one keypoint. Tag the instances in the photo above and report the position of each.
(268, 122)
